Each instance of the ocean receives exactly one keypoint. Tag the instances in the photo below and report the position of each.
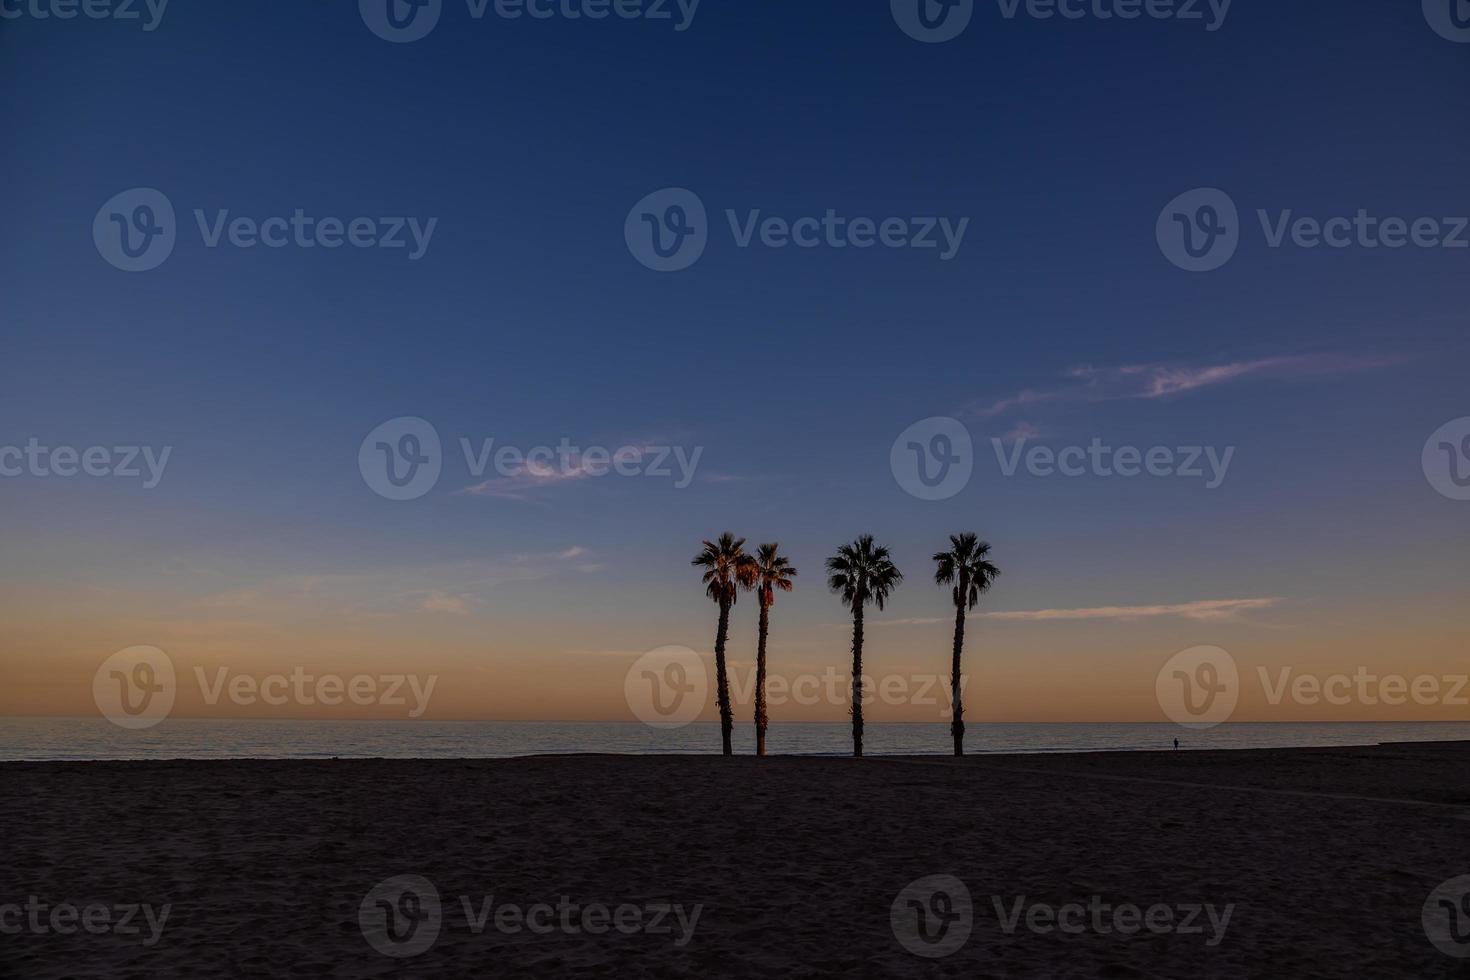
(185, 738)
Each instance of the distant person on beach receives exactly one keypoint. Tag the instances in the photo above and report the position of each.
(1176, 743)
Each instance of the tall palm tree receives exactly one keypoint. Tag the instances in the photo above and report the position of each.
(772, 571)
(964, 567)
(860, 573)
(727, 570)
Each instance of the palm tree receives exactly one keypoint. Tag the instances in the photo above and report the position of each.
(964, 567)
(772, 571)
(727, 570)
(861, 573)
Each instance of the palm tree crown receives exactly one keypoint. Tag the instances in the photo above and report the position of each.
(772, 571)
(966, 567)
(862, 572)
(727, 568)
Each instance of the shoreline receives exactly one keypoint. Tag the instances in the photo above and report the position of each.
(1463, 744)
(59, 740)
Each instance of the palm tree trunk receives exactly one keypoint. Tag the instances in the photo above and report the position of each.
(722, 682)
(760, 678)
(957, 725)
(857, 681)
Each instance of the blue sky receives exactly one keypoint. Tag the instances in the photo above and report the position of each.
(527, 320)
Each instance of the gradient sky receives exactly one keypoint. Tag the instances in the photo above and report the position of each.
(527, 321)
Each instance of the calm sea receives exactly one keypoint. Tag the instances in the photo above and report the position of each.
(183, 738)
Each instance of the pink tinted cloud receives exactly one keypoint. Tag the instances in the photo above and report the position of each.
(1161, 380)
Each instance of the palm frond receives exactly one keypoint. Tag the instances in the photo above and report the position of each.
(965, 566)
(863, 572)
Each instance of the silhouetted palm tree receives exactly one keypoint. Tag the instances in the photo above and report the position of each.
(861, 573)
(965, 567)
(772, 571)
(727, 570)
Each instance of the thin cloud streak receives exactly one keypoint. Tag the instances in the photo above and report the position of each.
(438, 602)
(532, 475)
(1208, 610)
(1161, 380)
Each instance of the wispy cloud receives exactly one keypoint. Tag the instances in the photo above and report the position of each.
(452, 589)
(438, 602)
(561, 468)
(566, 554)
(1161, 380)
(1208, 610)
(1022, 430)
(630, 654)
(728, 478)
(519, 484)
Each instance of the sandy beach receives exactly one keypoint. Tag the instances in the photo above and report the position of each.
(1272, 863)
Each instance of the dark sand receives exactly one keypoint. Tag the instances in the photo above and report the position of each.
(1327, 855)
